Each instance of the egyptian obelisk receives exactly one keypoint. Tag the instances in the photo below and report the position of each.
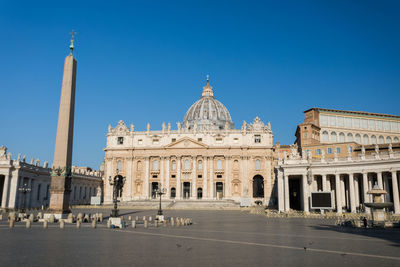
(61, 172)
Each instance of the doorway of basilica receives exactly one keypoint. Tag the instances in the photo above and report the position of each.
(258, 186)
(186, 190)
(154, 188)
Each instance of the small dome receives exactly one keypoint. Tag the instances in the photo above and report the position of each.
(208, 112)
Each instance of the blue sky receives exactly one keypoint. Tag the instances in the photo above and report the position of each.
(146, 61)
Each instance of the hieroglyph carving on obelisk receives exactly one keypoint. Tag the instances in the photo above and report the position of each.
(61, 171)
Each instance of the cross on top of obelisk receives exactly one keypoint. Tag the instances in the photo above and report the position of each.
(71, 46)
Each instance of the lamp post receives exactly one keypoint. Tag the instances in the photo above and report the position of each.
(24, 189)
(117, 183)
(160, 192)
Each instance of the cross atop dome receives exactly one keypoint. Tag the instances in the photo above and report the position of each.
(207, 90)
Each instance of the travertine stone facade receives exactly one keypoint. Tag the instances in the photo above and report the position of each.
(191, 162)
(17, 173)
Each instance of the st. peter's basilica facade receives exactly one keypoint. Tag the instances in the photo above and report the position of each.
(204, 158)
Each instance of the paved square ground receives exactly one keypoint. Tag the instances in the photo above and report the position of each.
(217, 238)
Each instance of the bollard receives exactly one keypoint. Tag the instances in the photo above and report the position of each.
(45, 224)
(129, 218)
(70, 218)
(144, 218)
(62, 224)
(94, 224)
(78, 224)
(165, 223)
(172, 222)
(52, 218)
(31, 217)
(155, 223)
(133, 224)
(150, 219)
(86, 218)
(145, 223)
(181, 222)
(101, 217)
(79, 217)
(137, 218)
(12, 222)
(109, 224)
(178, 223)
(40, 215)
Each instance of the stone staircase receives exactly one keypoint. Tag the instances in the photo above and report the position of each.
(183, 204)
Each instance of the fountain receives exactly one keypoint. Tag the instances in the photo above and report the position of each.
(378, 206)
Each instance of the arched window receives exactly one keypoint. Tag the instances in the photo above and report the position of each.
(173, 165)
(258, 165)
(325, 136)
(358, 138)
(381, 140)
(388, 140)
(349, 137)
(236, 165)
(187, 164)
(333, 136)
(155, 165)
(396, 140)
(341, 137)
(365, 139)
(219, 164)
(119, 165)
(200, 165)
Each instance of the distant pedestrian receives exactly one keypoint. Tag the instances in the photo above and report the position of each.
(365, 222)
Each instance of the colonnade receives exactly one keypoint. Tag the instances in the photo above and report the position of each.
(349, 189)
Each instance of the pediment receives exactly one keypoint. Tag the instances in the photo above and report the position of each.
(186, 143)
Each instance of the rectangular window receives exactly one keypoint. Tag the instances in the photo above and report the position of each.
(394, 126)
(332, 120)
(350, 149)
(340, 121)
(173, 140)
(140, 141)
(200, 139)
(199, 176)
(155, 176)
(318, 151)
(235, 140)
(371, 124)
(356, 123)
(386, 126)
(379, 125)
(338, 150)
(156, 141)
(308, 151)
(329, 150)
(324, 120)
(38, 192)
(219, 176)
(348, 123)
(173, 176)
(120, 141)
(364, 123)
(218, 140)
(257, 138)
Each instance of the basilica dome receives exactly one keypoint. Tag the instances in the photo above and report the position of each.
(208, 112)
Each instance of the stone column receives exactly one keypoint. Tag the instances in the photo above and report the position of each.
(379, 179)
(352, 197)
(267, 182)
(343, 192)
(29, 195)
(212, 186)
(5, 191)
(194, 178)
(286, 192)
(178, 178)
(356, 192)
(147, 194)
(324, 182)
(129, 178)
(395, 188)
(328, 183)
(205, 180)
(168, 177)
(365, 189)
(338, 194)
(386, 188)
(281, 195)
(305, 193)
(227, 184)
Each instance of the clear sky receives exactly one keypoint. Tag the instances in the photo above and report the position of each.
(147, 61)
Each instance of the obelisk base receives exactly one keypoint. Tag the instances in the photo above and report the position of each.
(59, 197)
